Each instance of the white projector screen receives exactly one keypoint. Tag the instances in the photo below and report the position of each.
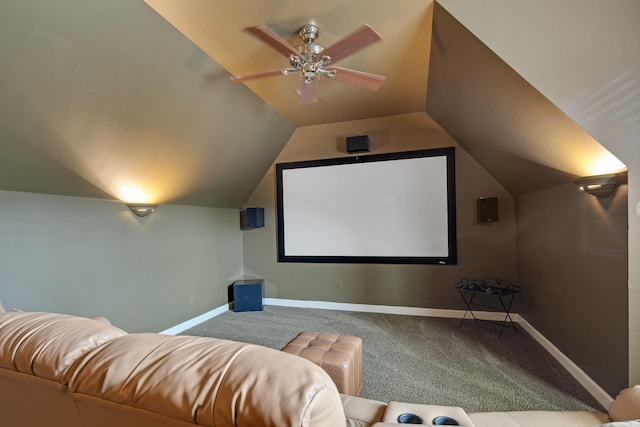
(386, 208)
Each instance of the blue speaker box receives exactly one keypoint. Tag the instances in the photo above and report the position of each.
(252, 218)
(247, 295)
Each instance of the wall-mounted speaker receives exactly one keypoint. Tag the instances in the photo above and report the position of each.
(487, 209)
(358, 144)
(252, 218)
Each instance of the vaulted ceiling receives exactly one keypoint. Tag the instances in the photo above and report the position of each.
(98, 97)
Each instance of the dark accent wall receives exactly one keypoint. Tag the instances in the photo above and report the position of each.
(573, 269)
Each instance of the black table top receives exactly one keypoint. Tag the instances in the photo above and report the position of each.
(488, 286)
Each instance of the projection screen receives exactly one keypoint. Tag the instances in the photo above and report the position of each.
(387, 208)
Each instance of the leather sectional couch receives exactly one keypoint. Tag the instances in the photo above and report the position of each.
(60, 370)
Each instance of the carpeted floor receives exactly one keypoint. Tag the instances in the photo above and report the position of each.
(422, 359)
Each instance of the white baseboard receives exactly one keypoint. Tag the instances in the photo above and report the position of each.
(174, 330)
(594, 389)
(385, 309)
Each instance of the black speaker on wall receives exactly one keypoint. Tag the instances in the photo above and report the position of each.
(252, 218)
(487, 209)
(358, 144)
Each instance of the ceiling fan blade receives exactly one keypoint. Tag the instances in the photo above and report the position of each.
(307, 92)
(350, 44)
(256, 76)
(361, 79)
(273, 40)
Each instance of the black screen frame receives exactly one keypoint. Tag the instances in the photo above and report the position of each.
(451, 259)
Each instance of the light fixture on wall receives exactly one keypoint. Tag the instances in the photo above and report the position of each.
(141, 209)
(598, 185)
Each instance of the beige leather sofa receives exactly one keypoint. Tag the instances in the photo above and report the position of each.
(59, 370)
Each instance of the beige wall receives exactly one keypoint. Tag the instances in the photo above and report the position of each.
(572, 263)
(94, 257)
(486, 250)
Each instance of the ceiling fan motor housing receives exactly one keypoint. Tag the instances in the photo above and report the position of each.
(309, 33)
(310, 63)
(309, 51)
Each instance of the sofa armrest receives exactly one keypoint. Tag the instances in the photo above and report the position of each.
(361, 412)
(626, 405)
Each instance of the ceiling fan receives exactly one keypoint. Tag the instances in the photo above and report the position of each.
(312, 60)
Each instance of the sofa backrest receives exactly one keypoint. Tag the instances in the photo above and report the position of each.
(37, 351)
(208, 381)
(47, 344)
(61, 370)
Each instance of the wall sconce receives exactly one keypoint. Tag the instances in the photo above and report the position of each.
(141, 209)
(598, 185)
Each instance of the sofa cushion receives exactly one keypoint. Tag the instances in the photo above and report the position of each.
(632, 423)
(209, 381)
(626, 405)
(47, 344)
(538, 418)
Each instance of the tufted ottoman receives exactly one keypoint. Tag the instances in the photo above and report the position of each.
(339, 355)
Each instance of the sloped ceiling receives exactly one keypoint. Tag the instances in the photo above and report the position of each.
(129, 100)
(508, 126)
(216, 26)
(108, 100)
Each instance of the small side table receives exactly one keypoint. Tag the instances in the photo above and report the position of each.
(247, 295)
(503, 292)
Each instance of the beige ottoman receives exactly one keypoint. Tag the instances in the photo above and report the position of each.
(339, 355)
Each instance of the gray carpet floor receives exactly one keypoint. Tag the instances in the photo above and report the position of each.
(424, 360)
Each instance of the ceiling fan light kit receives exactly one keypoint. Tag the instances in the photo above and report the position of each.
(311, 60)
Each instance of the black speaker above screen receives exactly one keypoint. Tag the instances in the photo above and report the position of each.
(358, 144)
